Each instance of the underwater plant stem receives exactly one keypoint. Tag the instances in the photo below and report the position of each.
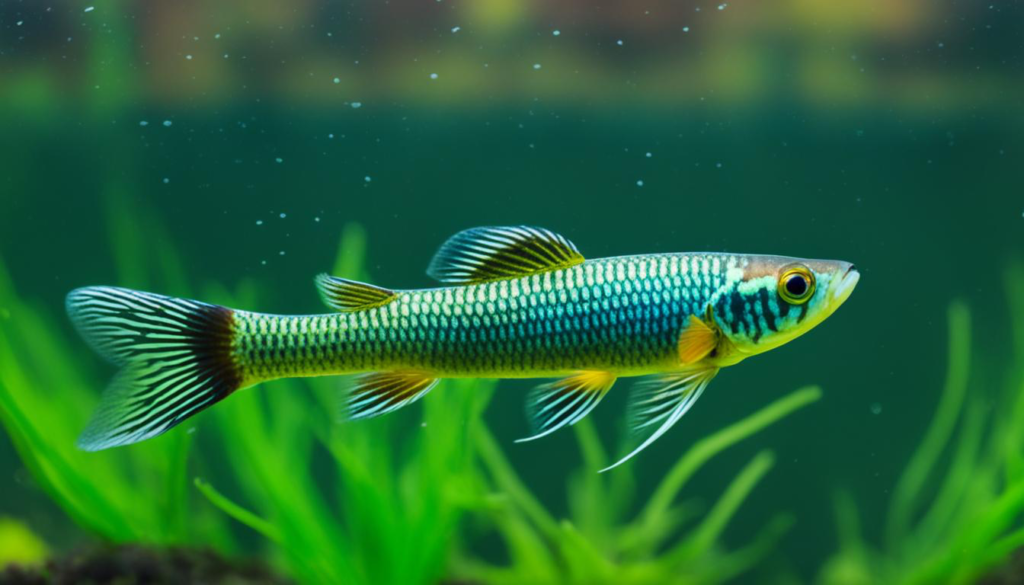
(590, 445)
(708, 531)
(735, 563)
(909, 486)
(957, 479)
(847, 522)
(506, 478)
(351, 255)
(710, 446)
(238, 513)
(177, 490)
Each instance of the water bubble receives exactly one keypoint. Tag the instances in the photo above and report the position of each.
(686, 29)
(189, 57)
(722, 6)
(279, 160)
(216, 36)
(282, 252)
(536, 65)
(167, 123)
(640, 183)
(283, 215)
(89, 9)
(556, 32)
(337, 80)
(143, 123)
(876, 408)
(259, 222)
(433, 75)
(316, 219)
(619, 42)
(367, 178)
(166, 180)
(649, 155)
(20, 22)
(456, 29)
(357, 105)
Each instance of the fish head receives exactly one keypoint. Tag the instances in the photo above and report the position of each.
(777, 299)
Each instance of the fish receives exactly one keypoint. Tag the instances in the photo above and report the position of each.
(515, 302)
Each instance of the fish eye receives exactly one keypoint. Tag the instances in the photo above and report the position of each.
(796, 285)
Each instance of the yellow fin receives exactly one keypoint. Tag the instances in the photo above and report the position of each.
(697, 340)
(343, 295)
(382, 392)
(555, 405)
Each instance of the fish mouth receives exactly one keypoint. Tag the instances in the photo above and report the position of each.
(846, 284)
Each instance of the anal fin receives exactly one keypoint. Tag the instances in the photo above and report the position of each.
(552, 406)
(660, 402)
(382, 392)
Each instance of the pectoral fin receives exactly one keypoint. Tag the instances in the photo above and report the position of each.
(698, 339)
(382, 392)
(659, 403)
(552, 406)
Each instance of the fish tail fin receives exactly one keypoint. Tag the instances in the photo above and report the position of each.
(175, 356)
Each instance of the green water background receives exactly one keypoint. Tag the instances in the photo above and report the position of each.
(897, 147)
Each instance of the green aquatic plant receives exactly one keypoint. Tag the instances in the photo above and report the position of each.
(955, 512)
(601, 542)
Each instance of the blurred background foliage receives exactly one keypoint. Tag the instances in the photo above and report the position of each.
(217, 150)
(662, 52)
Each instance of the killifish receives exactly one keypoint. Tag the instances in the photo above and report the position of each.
(517, 302)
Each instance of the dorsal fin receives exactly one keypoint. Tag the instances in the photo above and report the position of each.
(492, 253)
(342, 294)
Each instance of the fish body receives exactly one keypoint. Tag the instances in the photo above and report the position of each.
(521, 303)
(622, 315)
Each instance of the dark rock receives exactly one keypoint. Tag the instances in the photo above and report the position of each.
(140, 565)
